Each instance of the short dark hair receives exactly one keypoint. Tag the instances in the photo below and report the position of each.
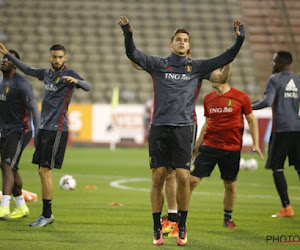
(285, 57)
(15, 53)
(181, 30)
(58, 46)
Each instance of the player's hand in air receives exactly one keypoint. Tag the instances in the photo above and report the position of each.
(239, 28)
(125, 24)
(70, 79)
(258, 151)
(3, 49)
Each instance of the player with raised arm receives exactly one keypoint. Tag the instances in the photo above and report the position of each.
(176, 88)
(283, 95)
(169, 223)
(17, 108)
(59, 82)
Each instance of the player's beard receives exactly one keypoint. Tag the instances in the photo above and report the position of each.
(57, 67)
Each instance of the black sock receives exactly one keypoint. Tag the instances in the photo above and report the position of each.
(281, 187)
(156, 221)
(182, 218)
(173, 217)
(227, 214)
(47, 210)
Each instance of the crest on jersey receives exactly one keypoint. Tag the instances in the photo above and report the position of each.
(7, 90)
(188, 68)
(57, 79)
(229, 102)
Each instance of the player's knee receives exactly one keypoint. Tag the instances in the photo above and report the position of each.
(44, 171)
(158, 179)
(194, 181)
(229, 185)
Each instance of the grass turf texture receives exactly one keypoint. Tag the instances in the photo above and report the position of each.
(85, 220)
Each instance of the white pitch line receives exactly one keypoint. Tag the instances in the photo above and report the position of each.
(120, 185)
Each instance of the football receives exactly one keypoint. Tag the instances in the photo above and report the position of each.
(252, 164)
(67, 182)
(242, 163)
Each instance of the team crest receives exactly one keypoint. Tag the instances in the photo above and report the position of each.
(188, 68)
(229, 102)
(57, 79)
(7, 90)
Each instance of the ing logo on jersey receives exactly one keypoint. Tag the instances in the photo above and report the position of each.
(188, 68)
(57, 79)
(7, 90)
(229, 102)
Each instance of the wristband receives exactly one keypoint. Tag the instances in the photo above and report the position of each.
(126, 28)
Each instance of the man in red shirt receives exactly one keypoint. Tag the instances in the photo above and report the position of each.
(220, 140)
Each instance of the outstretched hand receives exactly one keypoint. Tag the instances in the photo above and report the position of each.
(3, 49)
(258, 151)
(70, 79)
(237, 24)
(125, 24)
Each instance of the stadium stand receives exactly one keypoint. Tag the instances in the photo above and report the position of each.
(95, 44)
(272, 25)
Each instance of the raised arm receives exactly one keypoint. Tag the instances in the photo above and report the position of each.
(127, 31)
(228, 56)
(147, 62)
(254, 134)
(221, 75)
(21, 65)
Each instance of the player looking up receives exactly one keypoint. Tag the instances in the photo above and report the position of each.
(59, 82)
(176, 88)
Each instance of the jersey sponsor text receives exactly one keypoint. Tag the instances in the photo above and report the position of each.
(220, 110)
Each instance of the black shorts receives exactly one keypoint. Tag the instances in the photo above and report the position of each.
(208, 157)
(50, 148)
(12, 146)
(171, 146)
(281, 145)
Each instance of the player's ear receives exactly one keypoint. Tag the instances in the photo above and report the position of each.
(170, 44)
(66, 58)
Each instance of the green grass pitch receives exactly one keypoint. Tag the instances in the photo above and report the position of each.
(85, 220)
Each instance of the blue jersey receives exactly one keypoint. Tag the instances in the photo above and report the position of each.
(57, 94)
(283, 94)
(177, 81)
(15, 95)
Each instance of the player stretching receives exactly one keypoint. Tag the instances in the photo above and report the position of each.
(220, 140)
(169, 222)
(60, 83)
(283, 94)
(176, 88)
(17, 105)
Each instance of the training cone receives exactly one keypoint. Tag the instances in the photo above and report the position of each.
(116, 204)
(29, 196)
(91, 187)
